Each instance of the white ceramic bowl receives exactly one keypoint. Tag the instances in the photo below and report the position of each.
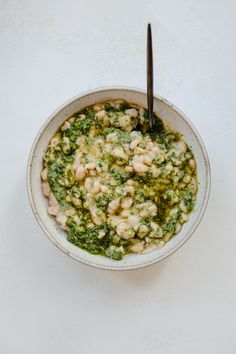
(170, 115)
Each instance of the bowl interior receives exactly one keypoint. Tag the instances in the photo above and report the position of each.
(170, 115)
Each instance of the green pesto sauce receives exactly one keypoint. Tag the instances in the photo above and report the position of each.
(71, 194)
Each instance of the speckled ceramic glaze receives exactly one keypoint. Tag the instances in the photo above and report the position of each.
(171, 116)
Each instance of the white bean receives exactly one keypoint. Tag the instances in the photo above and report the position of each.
(52, 210)
(70, 212)
(140, 168)
(101, 234)
(141, 111)
(187, 179)
(126, 203)
(100, 115)
(52, 200)
(147, 159)
(92, 172)
(46, 189)
(154, 226)
(97, 107)
(120, 155)
(133, 220)
(192, 163)
(132, 112)
(77, 159)
(106, 121)
(130, 182)
(129, 190)
(177, 228)
(125, 213)
(183, 207)
(180, 147)
(128, 168)
(169, 168)
(112, 138)
(160, 244)
(193, 185)
(114, 221)
(142, 231)
(61, 219)
(76, 202)
(167, 236)
(90, 166)
(151, 209)
(76, 219)
(96, 187)
(137, 247)
(124, 122)
(124, 231)
(140, 151)
(113, 206)
(44, 174)
(65, 126)
(97, 219)
(183, 218)
(54, 141)
(118, 103)
(155, 172)
(80, 173)
(104, 188)
(134, 143)
(66, 144)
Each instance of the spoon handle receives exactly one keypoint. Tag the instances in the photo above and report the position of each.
(149, 76)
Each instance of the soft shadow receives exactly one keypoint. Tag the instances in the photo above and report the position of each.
(33, 252)
(25, 236)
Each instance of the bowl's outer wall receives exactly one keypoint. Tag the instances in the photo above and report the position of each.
(171, 116)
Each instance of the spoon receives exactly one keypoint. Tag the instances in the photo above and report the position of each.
(156, 125)
(150, 77)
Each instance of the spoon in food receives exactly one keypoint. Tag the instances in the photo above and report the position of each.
(150, 77)
(156, 125)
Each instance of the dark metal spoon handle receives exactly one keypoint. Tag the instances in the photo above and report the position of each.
(149, 76)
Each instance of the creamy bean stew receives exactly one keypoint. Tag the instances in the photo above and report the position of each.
(113, 187)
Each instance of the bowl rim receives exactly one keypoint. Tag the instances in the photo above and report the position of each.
(88, 262)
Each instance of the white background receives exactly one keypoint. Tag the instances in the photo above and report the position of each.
(52, 50)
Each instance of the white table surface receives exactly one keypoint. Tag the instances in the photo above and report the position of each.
(52, 50)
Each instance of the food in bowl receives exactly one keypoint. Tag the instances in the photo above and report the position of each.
(114, 187)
